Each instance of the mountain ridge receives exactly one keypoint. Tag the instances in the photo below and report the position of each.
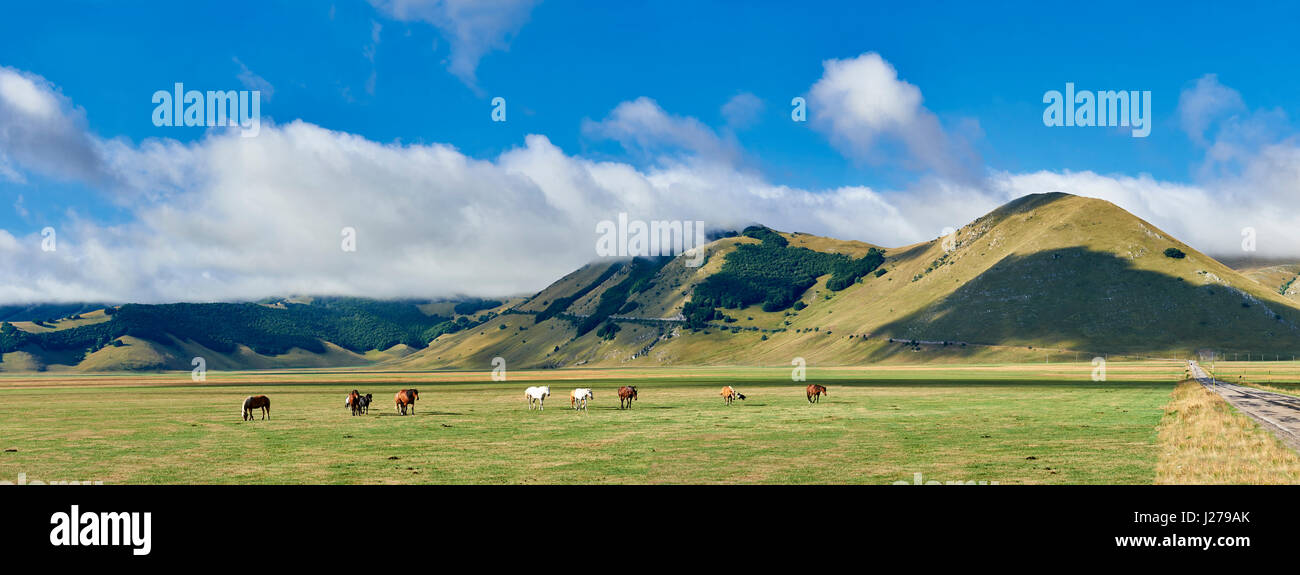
(1047, 270)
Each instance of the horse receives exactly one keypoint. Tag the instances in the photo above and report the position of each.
(364, 401)
(815, 393)
(255, 402)
(406, 399)
(626, 394)
(537, 394)
(579, 397)
(354, 402)
(729, 394)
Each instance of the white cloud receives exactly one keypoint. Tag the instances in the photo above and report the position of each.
(872, 115)
(231, 218)
(472, 27)
(42, 130)
(742, 110)
(643, 127)
(369, 51)
(252, 81)
(1204, 103)
(1217, 119)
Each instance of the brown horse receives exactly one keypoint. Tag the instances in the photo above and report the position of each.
(354, 401)
(815, 393)
(255, 402)
(729, 394)
(626, 394)
(406, 399)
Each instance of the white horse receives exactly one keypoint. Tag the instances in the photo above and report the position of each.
(578, 398)
(537, 394)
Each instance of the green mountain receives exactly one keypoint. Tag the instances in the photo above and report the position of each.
(1044, 274)
(274, 333)
(1077, 276)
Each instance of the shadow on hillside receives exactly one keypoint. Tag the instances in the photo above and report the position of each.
(1096, 302)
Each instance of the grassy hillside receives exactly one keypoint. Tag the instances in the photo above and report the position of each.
(1047, 274)
(283, 333)
(1284, 278)
(1047, 277)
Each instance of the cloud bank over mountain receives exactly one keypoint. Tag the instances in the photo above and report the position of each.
(231, 218)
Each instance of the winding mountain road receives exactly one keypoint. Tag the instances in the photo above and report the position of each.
(1278, 412)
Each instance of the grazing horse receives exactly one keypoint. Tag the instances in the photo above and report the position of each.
(538, 395)
(626, 394)
(406, 400)
(815, 393)
(578, 398)
(354, 402)
(729, 394)
(255, 402)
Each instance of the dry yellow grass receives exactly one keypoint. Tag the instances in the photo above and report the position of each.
(1203, 440)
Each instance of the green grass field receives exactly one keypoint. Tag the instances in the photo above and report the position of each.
(1009, 424)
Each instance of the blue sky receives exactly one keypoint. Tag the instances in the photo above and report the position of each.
(387, 73)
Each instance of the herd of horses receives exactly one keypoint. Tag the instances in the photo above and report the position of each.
(536, 397)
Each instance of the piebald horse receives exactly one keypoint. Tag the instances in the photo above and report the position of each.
(729, 394)
(256, 402)
(406, 400)
(815, 393)
(578, 398)
(626, 394)
(537, 395)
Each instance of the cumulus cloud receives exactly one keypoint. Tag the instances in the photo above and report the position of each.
(872, 115)
(42, 130)
(230, 218)
(263, 216)
(472, 27)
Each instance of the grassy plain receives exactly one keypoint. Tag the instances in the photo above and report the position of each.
(996, 423)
